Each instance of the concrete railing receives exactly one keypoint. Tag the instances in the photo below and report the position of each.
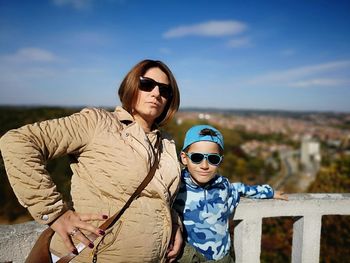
(17, 240)
(307, 209)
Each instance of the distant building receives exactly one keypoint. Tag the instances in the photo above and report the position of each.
(310, 155)
(204, 116)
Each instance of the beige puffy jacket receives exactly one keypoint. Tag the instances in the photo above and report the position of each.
(112, 155)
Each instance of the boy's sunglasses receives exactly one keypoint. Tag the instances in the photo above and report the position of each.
(212, 158)
(147, 84)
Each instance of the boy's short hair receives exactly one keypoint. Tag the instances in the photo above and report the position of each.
(200, 133)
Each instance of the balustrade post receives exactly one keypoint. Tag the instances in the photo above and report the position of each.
(306, 239)
(247, 240)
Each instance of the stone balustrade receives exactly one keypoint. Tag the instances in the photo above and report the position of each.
(306, 209)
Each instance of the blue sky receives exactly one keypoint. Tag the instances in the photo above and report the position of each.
(278, 54)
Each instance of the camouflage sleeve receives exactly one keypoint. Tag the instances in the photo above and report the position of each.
(254, 191)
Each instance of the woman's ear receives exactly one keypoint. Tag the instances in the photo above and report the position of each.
(183, 158)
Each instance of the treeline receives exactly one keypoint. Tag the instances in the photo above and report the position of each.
(237, 166)
(15, 117)
(335, 232)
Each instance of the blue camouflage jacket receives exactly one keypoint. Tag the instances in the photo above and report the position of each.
(206, 211)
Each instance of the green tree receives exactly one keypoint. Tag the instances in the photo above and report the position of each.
(335, 232)
(15, 117)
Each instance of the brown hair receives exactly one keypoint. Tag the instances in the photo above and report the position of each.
(129, 89)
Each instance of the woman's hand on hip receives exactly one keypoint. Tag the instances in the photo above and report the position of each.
(70, 224)
(175, 244)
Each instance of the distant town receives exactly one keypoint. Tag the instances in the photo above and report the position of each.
(287, 149)
(308, 136)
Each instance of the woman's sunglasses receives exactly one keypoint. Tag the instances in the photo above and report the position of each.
(212, 158)
(147, 84)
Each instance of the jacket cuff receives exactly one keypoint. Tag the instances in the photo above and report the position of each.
(48, 214)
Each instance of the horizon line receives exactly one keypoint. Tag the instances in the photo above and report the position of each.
(185, 108)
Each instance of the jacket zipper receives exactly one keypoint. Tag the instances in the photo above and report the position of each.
(205, 199)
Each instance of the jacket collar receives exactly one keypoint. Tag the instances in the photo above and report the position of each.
(126, 118)
(123, 116)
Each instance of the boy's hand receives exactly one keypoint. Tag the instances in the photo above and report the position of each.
(280, 195)
(175, 244)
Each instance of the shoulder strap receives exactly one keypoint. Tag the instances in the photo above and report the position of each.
(112, 220)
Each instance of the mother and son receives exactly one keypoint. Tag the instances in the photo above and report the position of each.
(179, 216)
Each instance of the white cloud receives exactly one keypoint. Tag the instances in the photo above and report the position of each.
(207, 29)
(319, 82)
(77, 4)
(239, 42)
(30, 54)
(302, 75)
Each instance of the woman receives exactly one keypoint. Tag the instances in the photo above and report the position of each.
(112, 153)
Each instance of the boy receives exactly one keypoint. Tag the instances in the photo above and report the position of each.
(206, 200)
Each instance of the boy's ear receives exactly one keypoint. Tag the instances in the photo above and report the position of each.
(183, 158)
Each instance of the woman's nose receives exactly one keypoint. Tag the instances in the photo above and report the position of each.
(155, 92)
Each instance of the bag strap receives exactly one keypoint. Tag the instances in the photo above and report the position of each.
(112, 220)
(40, 253)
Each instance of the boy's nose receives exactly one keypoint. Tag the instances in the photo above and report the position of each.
(204, 164)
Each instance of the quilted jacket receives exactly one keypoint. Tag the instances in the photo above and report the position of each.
(111, 154)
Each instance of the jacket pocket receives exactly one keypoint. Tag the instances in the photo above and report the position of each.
(108, 239)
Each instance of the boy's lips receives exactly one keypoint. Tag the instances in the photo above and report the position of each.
(203, 174)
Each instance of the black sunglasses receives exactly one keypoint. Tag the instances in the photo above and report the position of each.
(212, 158)
(147, 84)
